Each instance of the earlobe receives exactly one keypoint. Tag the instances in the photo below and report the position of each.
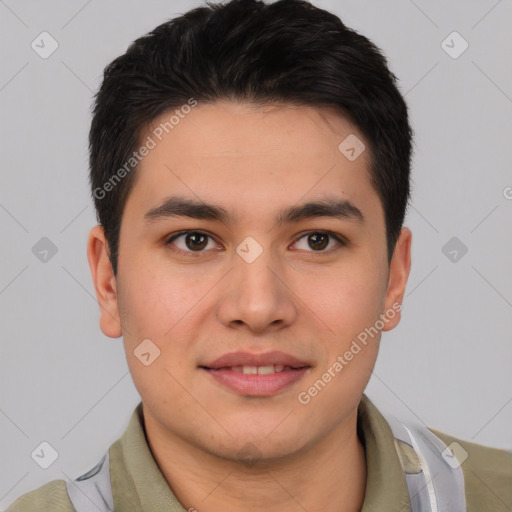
(104, 282)
(399, 269)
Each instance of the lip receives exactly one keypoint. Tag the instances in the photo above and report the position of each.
(247, 359)
(256, 385)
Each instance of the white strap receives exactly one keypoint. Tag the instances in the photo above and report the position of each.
(439, 487)
(92, 492)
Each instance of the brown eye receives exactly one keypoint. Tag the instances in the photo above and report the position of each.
(190, 242)
(196, 241)
(317, 241)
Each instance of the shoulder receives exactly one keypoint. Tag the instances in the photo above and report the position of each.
(487, 473)
(50, 496)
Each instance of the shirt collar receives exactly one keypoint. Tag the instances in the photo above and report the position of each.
(138, 483)
(386, 488)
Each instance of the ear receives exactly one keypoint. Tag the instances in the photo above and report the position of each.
(104, 282)
(399, 269)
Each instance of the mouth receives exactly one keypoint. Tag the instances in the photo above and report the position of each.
(258, 370)
(256, 374)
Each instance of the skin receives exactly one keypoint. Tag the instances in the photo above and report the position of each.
(306, 302)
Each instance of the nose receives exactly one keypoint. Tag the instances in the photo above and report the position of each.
(256, 295)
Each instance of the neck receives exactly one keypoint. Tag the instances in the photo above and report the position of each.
(329, 476)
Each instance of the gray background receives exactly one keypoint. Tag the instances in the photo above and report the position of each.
(448, 362)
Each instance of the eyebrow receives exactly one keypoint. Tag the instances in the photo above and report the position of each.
(179, 206)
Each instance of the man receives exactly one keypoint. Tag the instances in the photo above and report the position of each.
(250, 170)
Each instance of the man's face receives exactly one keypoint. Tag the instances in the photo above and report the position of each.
(249, 283)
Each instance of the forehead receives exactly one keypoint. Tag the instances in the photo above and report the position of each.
(247, 156)
(250, 128)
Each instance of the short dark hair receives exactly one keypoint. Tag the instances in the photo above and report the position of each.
(285, 52)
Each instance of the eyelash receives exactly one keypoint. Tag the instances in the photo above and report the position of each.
(168, 243)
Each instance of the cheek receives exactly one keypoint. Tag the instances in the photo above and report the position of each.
(156, 298)
(156, 305)
(163, 305)
(350, 307)
(348, 301)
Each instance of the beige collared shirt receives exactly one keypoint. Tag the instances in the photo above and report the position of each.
(138, 485)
